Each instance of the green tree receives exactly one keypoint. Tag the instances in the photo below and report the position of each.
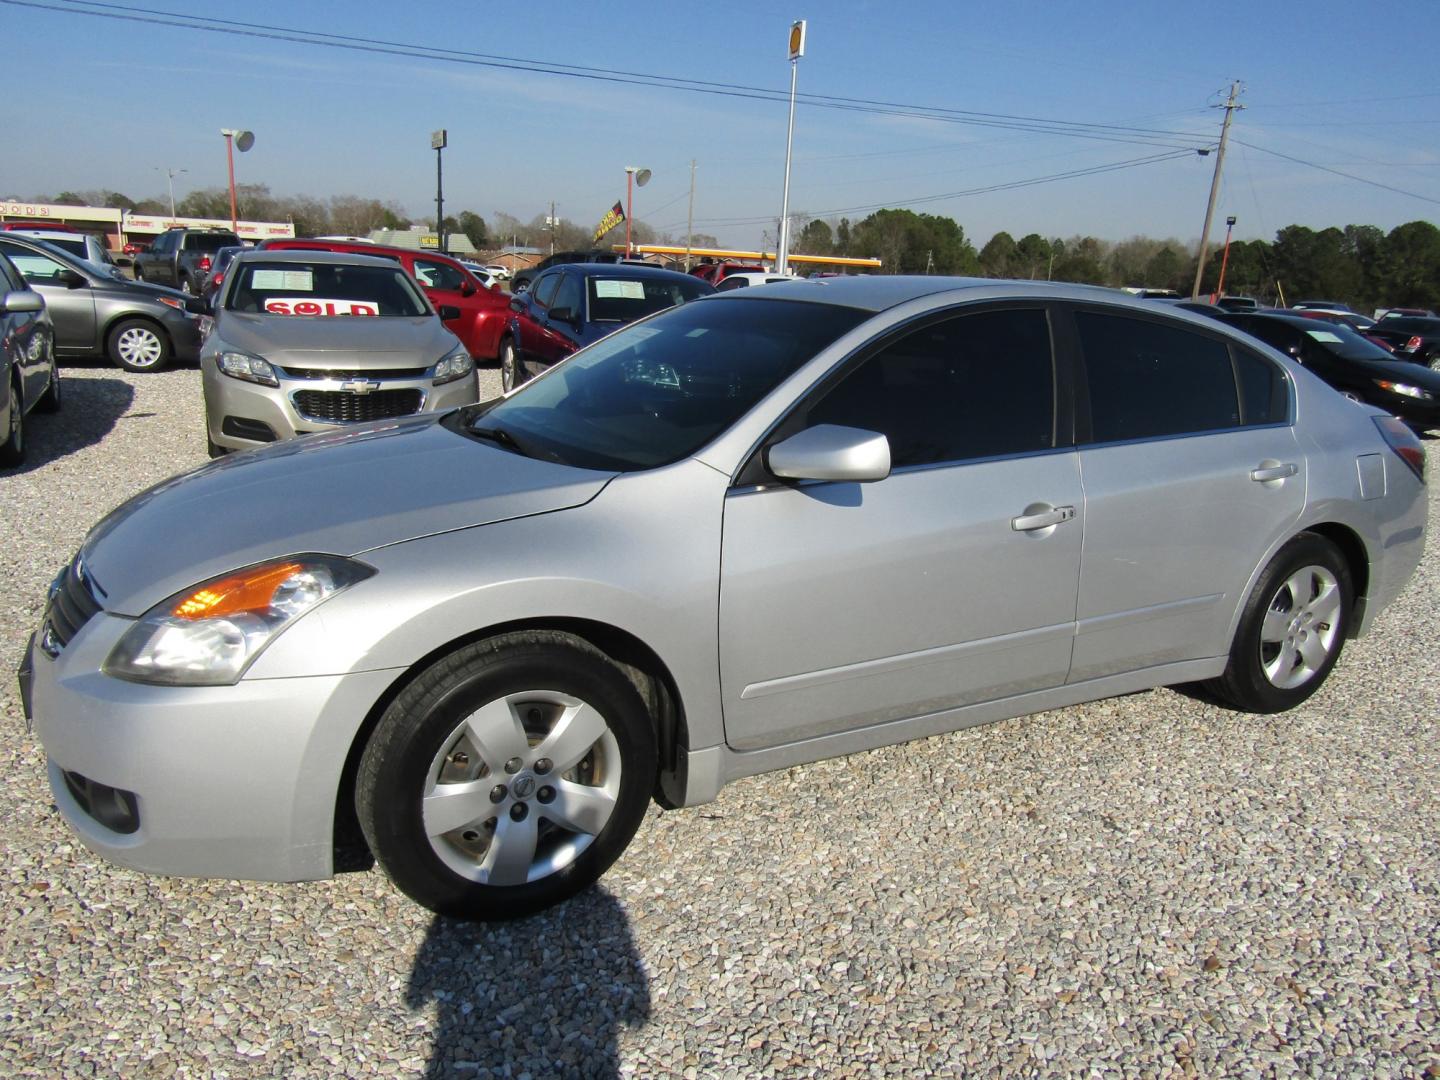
(473, 226)
(911, 243)
(815, 239)
(997, 257)
(1032, 256)
(842, 238)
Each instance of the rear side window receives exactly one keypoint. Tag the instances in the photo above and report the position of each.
(543, 291)
(974, 386)
(1264, 397)
(1148, 380)
(210, 242)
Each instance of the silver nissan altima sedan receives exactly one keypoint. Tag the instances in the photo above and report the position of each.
(753, 531)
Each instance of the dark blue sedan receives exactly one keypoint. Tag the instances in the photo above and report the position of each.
(572, 305)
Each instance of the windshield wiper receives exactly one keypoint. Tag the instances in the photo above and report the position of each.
(500, 437)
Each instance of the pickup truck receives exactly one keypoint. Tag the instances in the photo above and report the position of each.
(182, 258)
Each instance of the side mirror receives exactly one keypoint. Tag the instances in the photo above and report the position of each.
(196, 305)
(467, 288)
(517, 304)
(831, 452)
(447, 312)
(71, 279)
(22, 301)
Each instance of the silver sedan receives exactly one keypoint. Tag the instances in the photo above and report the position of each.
(307, 341)
(748, 533)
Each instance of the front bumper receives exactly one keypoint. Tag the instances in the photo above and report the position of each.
(227, 781)
(185, 335)
(240, 415)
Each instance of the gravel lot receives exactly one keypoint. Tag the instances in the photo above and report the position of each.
(1146, 886)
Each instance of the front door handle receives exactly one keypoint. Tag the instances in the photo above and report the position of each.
(1273, 471)
(1041, 519)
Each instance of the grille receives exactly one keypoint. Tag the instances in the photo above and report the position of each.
(338, 407)
(315, 373)
(72, 603)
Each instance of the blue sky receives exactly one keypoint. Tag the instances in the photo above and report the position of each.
(1342, 85)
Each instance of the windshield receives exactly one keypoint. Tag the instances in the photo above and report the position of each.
(323, 289)
(620, 300)
(1340, 340)
(658, 391)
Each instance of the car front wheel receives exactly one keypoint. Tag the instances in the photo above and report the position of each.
(137, 345)
(507, 777)
(1291, 630)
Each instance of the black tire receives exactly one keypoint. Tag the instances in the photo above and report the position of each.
(512, 374)
(215, 449)
(520, 691)
(12, 450)
(51, 400)
(137, 345)
(138, 272)
(1292, 629)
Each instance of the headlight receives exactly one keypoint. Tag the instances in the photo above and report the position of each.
(239, 365)
(1404, 389)
(455, 364)
(209, 635)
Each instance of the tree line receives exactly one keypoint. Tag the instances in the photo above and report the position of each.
(1359, 264)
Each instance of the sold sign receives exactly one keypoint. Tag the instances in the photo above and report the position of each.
(299, 305)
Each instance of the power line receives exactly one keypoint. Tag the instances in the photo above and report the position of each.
(1337, 172)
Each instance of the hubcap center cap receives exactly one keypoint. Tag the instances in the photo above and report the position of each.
(523, 786)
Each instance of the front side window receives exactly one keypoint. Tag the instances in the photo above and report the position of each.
(434, 274)
(1149, 380)
(34, 267)
(544, 289)
(567, 296)
(969, 387)
(324, 290)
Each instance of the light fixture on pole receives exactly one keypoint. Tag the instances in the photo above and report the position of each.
(235, 139)
(782, 244)
(438, 141)
(640, 178)
(1224, 259)
(170, 175)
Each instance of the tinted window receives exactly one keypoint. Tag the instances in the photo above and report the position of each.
(616, 298)
(973, 386)
(209, 241)
(657, 392)
(1263, 392)
(33, 266)
(568, 295)
(1277, 335)
(10, 278)
(732, 283)
(1147, 379)
(544, 288)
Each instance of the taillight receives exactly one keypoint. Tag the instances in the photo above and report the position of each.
(1413, 344)
(1404, 442)
(205, 263)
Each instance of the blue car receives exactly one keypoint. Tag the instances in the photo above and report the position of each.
(572, 305)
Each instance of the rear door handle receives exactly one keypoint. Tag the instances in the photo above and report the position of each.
(1042, 519)
(1273, 472)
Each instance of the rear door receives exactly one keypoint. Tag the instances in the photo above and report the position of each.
(952, 581)
(1191, 472)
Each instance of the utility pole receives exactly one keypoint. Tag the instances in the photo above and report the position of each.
(1230, 107)
(552, 226)
(782, 241)
(690, 217)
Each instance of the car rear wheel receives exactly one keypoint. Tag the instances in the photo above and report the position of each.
(1291, 630)
(137, 345)
(507, 777)
(510, 374)
(12, 450)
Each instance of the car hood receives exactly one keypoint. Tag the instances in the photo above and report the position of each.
(338, 493)
(343, 341)
(1402, 371)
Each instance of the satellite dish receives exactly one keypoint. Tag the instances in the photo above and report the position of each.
(642, 177)
(244, 140)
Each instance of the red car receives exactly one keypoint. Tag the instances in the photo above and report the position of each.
(483, 311)
(135, 247)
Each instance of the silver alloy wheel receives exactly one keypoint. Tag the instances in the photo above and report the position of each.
(1301, 627)
(521, 787)
(507, 365)
(140, 347)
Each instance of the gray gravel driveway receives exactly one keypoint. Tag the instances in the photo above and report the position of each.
(1146, 886)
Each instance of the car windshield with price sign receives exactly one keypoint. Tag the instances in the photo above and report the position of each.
(308, 341)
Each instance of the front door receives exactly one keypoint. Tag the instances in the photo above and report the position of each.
(72, 310)
(848, 605)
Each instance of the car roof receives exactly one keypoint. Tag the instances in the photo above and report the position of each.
(44, 247)
(880, 292)
(631, 270)
(312, 255)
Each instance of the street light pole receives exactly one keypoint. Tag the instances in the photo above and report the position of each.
(782, 246)
(438, 141)
(235, 139)
(632, 181)
(170, 175)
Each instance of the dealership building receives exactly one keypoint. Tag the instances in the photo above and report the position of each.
(118, 227)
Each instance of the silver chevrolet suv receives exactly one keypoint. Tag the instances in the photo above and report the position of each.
(307, 341)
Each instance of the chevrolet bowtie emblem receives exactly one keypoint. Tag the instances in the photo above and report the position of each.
(359, 386)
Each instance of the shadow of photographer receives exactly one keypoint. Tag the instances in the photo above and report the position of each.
(546, 995)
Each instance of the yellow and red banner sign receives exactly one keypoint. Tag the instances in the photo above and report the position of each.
(609, 221)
